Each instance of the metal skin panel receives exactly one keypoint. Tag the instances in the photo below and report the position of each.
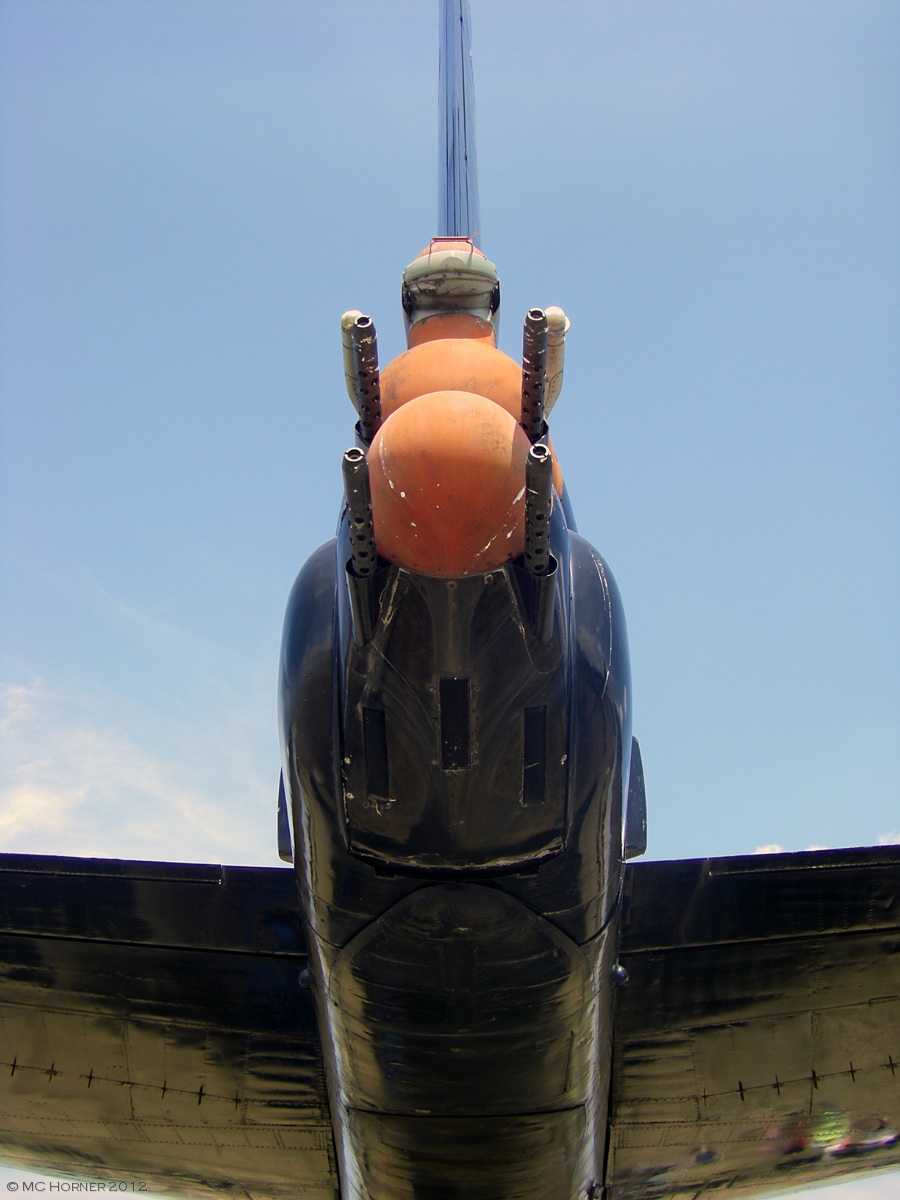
(473, 814)
(580, 885)
(460, 1004)
(496, 1008)
(152, 1027)
(758, 1036)
(535, 886)
(476, 1158)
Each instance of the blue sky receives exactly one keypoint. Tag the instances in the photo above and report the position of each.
(193, 193)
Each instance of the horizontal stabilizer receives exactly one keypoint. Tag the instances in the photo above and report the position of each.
(153, 1027)
(757, 1040)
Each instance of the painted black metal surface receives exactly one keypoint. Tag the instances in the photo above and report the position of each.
(459, 1006)
(435, 711)
(358, 851)
(757, 1041)
(457, 765)
(152, 1027)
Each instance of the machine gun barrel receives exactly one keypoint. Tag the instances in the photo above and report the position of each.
(363, 558)
(360, 346)
(538, 501)
(534, 372)
(363, 554)
(538, 580)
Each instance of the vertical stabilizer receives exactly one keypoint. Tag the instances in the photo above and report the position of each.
(458, 210)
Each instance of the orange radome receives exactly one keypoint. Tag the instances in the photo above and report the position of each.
(447, 475)
(452, 364)
(465, 364)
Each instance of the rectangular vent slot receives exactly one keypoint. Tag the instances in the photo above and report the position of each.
(534, 765)
(454, 724)
(375, 749)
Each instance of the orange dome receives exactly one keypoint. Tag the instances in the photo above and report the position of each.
(452, 364)
(451, 325)
(461, 244)
(447, 476)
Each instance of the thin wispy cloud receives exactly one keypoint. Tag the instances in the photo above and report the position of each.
(776, 848)
(93, 788)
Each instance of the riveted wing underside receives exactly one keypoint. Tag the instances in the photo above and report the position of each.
(757, 1043)
(152, 1027)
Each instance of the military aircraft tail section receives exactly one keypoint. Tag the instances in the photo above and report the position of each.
(462, 988)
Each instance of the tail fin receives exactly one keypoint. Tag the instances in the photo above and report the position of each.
(458, 209)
